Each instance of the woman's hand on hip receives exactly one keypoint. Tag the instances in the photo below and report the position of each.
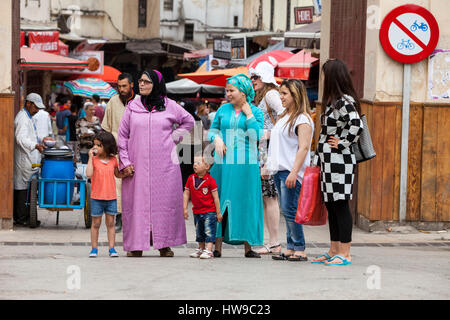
(221, 148)
(291, 181)
(333, 142)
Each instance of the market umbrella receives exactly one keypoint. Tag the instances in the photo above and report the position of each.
(297, 67)
(215, 77)
(87, 87)
(186, 86)
(273, 57)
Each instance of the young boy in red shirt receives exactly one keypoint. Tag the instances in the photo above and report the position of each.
(201, 188)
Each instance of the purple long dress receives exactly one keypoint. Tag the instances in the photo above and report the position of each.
(152, 199)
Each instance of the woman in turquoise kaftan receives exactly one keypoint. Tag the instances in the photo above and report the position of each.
(236, 129)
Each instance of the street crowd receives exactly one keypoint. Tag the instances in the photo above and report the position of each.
(241, 167)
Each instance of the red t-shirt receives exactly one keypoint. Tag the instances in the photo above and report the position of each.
(201, 196)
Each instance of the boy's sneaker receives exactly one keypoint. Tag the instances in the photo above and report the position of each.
(94, 253)
(113, 253)
(197, 254)
(207, 255)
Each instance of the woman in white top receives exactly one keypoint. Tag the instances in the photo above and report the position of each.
(289, 155)
(268, 100)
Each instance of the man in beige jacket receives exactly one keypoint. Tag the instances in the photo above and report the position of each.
(111, 122)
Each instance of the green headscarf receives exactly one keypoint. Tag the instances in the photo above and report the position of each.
(243, 83)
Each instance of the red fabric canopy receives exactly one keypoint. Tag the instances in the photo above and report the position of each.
(297, 67)
(38, 60)
(272, 57)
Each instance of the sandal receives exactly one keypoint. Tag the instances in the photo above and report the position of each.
(280, 257)
(297, 258)
(269, 249)
(325, 255)
(166, 253)
(252, 254)
(344, 262)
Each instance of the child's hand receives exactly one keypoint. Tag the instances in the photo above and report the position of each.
(186, 215)
(219, 217)
(92, 152)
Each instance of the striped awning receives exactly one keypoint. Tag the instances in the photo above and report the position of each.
(87, 87)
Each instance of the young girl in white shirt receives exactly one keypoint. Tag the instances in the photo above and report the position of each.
(288, 157)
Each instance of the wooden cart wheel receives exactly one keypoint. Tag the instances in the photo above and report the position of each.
(87, 207)
(33, 203)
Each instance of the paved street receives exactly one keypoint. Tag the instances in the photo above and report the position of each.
(51, 263)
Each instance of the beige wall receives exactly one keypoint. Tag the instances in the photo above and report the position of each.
(383, 75)
(5, 46)
(251, 14)
(130, 20)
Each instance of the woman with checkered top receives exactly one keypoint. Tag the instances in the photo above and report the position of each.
(341, 127)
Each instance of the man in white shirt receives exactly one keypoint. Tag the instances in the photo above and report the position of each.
(43, 124)
(27, 153)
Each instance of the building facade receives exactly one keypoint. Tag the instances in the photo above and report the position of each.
(199, 21)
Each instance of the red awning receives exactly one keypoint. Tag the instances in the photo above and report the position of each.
(297, 67)
(110, 75)
(36, 60)
(197, 54)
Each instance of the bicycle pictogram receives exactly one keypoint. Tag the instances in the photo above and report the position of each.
(405, 44)
(422, 26)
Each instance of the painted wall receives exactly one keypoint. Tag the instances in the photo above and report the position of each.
(5, 46)
(35, 11)
(115, 20)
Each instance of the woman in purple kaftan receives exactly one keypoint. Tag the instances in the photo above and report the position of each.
(152, 195)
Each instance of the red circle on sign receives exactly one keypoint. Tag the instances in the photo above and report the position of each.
(389, 20)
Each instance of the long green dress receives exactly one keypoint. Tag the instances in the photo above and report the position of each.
(238, 176)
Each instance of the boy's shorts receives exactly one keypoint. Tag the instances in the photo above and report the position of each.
(206, 225)
(98, 207)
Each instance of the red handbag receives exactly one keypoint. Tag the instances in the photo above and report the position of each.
(311, 209)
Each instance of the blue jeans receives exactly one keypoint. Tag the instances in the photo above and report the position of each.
(205, 226)
(289, 201)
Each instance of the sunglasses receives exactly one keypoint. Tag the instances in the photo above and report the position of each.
(145, 82)
(255, 77)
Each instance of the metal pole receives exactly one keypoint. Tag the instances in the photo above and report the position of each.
(405, 141)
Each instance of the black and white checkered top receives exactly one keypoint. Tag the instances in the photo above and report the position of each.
(338, 166)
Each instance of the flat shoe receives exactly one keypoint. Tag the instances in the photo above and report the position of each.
(280, 257)
(134, 254)
(217, 254)
(166, 253)
(252, 254)
(297, 258)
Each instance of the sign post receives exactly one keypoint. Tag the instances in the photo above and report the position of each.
(408, 34)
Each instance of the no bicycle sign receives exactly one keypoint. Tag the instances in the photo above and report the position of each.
(409, 34)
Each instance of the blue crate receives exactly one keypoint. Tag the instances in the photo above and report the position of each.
(52, 183)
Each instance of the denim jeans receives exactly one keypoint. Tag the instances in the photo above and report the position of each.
(289, 201)
(205, 226)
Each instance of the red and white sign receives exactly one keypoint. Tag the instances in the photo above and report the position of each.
(44, 41)
(303, 15)
(409, 34)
